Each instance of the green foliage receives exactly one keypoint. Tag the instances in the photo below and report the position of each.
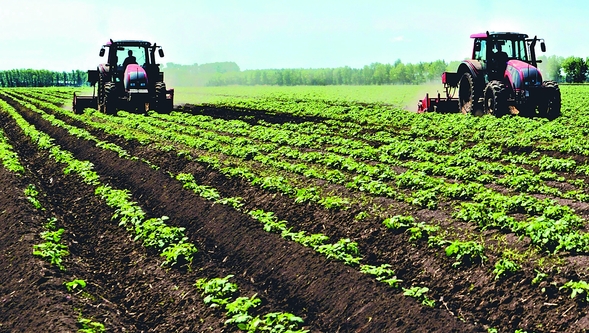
(578, 288)
(53, 236)
(344, 250)
(242, 305)
(8, 156)
(399, 222)
(335, 203)
(217, 291)
(575, 69)
(383, 273)
(76, 284)
(373, 74)
(421, 230)
(466, 252)
(361, 216)
(271, 223)
(505, 266)
(155, 233)
(547, 163)
(279, 322)
(52, 252)
(179, 254)
(539, 277)
(42, 78)
(50, 224)
(89, 326)
(32, 193)
(310, 194)
(420, 294)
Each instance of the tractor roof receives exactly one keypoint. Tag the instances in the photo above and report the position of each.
(128, 43)
(502, 35)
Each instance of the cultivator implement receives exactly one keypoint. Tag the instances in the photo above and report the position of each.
(441, 104)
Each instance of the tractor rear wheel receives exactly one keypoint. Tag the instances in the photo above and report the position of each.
(161, 105)
(468, 94)
(495, 99)
(550, 105)
(110, 99)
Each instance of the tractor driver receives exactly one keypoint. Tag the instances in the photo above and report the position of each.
(129, 60)
(500, 55)
(499, 58)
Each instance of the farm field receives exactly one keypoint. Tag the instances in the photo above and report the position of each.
(405, 96)
(329, 209)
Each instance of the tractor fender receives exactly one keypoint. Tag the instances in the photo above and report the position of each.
(103, 69)
(474, 67)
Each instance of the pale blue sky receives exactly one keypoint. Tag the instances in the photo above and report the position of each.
(67, 34)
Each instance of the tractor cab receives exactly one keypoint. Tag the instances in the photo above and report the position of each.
(135, 52)
(130, 79)
(493, 50)
(130, 54)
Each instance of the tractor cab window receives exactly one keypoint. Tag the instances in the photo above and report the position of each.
(521, 50)
(510, 49)
(501, 48)
(480, 50)
(131, 55)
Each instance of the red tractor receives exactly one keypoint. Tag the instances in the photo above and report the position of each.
(130, 80)
(501, 78)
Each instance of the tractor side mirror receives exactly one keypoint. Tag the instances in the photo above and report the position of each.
(101, 53)
(542, 46)
(161, 53)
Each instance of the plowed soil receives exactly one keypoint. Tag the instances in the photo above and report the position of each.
(129, 290)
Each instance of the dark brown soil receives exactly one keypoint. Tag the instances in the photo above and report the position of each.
(129, 291)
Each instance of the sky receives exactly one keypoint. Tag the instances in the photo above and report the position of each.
(63, 35)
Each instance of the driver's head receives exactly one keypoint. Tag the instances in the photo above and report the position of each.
(130, 53)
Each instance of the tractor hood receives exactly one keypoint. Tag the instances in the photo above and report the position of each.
(135, 77)
(522, 75)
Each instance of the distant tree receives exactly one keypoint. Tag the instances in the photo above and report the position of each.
(453, 66)
(381, 74)
(434, 70)
(398, 73)
(575, 69)
(551, 67)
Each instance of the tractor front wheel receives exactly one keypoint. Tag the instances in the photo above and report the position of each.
(468, 94)
(495, 99)
(550, 105)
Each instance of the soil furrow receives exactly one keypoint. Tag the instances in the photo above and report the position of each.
(333, 297)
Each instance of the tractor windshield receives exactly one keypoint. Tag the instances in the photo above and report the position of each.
(510, 48)
(131, 55)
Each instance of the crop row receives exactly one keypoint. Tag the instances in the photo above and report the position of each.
(153, 232)
(268, 156)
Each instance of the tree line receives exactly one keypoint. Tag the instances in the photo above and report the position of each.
(42, 78)
(560, 69)
(571, 70)
(373, 74)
